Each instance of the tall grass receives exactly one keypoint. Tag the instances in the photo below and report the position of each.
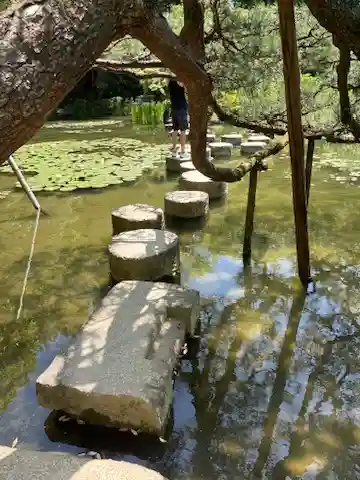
(148, 113)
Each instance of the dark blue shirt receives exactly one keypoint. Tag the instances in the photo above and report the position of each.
(177, 96)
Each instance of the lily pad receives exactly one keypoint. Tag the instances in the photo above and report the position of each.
(68, 165)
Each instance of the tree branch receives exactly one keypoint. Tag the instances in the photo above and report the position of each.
(116, 65)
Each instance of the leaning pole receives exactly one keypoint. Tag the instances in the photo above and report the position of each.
(296, 137)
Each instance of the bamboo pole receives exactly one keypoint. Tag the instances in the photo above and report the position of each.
(296, 137)
(23, 183)
(250, 212)
(308, 168)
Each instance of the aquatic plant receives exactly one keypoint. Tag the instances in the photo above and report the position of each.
(68, 165)
(148, 113)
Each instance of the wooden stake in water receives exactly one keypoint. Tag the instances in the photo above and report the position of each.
(23, 182)
(36, 205)
(296, 137)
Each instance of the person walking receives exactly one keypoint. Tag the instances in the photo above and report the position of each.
(179, 114)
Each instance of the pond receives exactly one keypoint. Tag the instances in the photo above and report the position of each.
(273, 391)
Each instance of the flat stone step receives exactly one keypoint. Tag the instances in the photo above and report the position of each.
(210, 137)
(136, 216)
(186, 204)
(187, 167)
(29, 465)
(173, 162)
(221, 149)
(197, 181)
(234, 138)
(258, 137)
(249, 148)
(144, 254)
(119, 369)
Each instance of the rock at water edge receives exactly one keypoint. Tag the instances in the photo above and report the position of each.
(136, 216)
(118, 371)
(186, 204)
(145, 254)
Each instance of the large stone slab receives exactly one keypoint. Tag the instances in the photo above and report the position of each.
(33, 465)
(136, 216)
(197, 181)
(119, 369)
(144, 254)
(186, 204)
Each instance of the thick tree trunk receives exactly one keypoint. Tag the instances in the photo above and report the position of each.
(45, 48)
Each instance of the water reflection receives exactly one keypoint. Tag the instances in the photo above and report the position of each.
(273, 390)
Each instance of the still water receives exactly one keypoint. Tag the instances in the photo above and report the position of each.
(273, 391)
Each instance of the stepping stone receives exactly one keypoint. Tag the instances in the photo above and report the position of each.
(145, 254)
(258, 138)
(234, 138)
(118, 371)
(135, 216)
(173, 162)
(249, 148)
(210, 137)
(221, 149)
(187, 167)
(199, 182)
(187, 204)
(27, 464)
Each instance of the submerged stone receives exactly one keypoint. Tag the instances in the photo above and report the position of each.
(221, 149)
(234, 138)
(26, 464)
(144, 254)
(119, 369)
(249, 148)
(136, 216)
(186, 204)
(197, 181)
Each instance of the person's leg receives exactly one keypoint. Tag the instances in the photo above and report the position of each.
(174, 135)
(183, 124)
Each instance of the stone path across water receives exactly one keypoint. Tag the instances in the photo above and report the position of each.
(119, 369)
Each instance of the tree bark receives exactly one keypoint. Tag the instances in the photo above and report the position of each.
(45, 48)
(296, 137)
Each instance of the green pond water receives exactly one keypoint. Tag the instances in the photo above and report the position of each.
(274, 389)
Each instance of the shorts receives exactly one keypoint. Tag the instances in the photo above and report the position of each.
(180, 120)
